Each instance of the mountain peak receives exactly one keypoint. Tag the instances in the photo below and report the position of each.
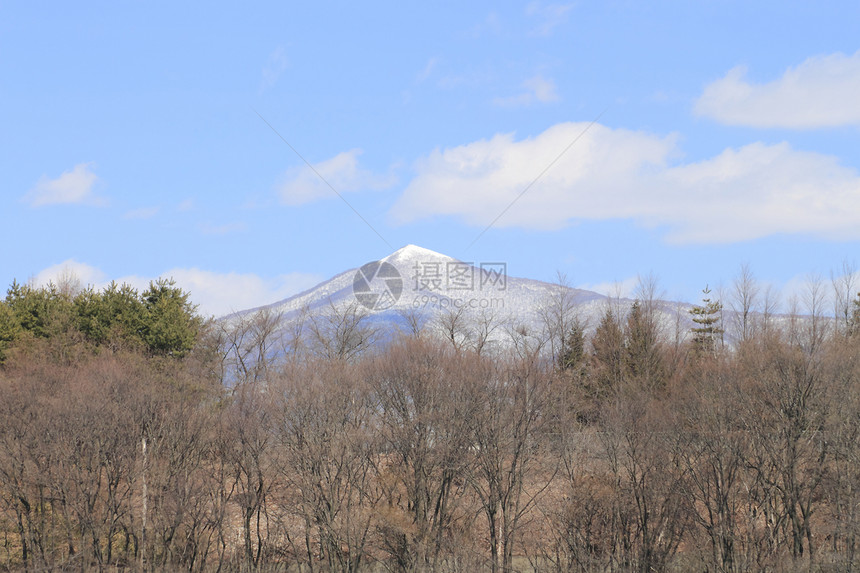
(413, 253)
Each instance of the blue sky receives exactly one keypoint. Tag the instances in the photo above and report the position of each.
(681, 139)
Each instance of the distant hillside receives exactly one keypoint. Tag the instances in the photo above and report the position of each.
(475, 302)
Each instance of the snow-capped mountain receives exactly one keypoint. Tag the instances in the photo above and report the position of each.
(415, 287)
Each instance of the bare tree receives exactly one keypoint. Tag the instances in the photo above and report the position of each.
(512, 468)
(452, 323)
(577, 510)
(784, 411)
(648, 505)
(414, 319)
(245, 443)
(743, 300)
(465, 330)
(816, 325)
(711, 452)
(770, 304)
(25, 452)
(177, 479)
(421, 388)
(523, 340)
(342, 332)
(68, 283)
(650, 295)
(557, 313)
(844, 284)
(842, 483)
(485, 324)
(294, 340)
(326, 430)
(249, 346)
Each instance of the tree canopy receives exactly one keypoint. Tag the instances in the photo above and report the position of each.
(160, 321)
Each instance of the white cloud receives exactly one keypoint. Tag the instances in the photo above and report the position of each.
(216, 294)
(823, 91)
(302, 185)
(537, 90)
(745, 193)
(70, 272)
(622, 289)
(478, 180)
(759, 190)
(75, 186)
(550, 16)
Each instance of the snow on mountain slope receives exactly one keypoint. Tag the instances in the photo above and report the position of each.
(424, 286)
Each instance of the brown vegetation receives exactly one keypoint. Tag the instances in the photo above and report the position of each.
(626, 450)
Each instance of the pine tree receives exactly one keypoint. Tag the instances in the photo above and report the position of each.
(10, 329)
(112, 317)
(707, 317)
(171, 322)
(161, 320)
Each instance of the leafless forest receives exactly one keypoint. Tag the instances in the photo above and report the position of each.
(135, 435)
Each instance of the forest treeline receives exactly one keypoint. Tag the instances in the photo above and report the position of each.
(134, 434)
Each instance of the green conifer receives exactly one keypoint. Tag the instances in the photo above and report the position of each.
(707, 317)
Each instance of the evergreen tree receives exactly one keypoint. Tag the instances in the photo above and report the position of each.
(572, 356)
(41, 312)
(643, 358)
(114, 316)
(160, 320)
(608, 353)
(171, 323)
(124, 310)
(707, 318)
(10, 329)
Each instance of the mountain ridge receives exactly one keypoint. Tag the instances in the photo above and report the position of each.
(418, 286)
(408, 260)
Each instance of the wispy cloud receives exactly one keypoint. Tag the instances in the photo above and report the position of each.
(276, 64)
(428, 69)
(549, 16)
(72, 187)
(537, 89)
(743, 193)
(301, 185)
(823, 91)
(490, 25)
